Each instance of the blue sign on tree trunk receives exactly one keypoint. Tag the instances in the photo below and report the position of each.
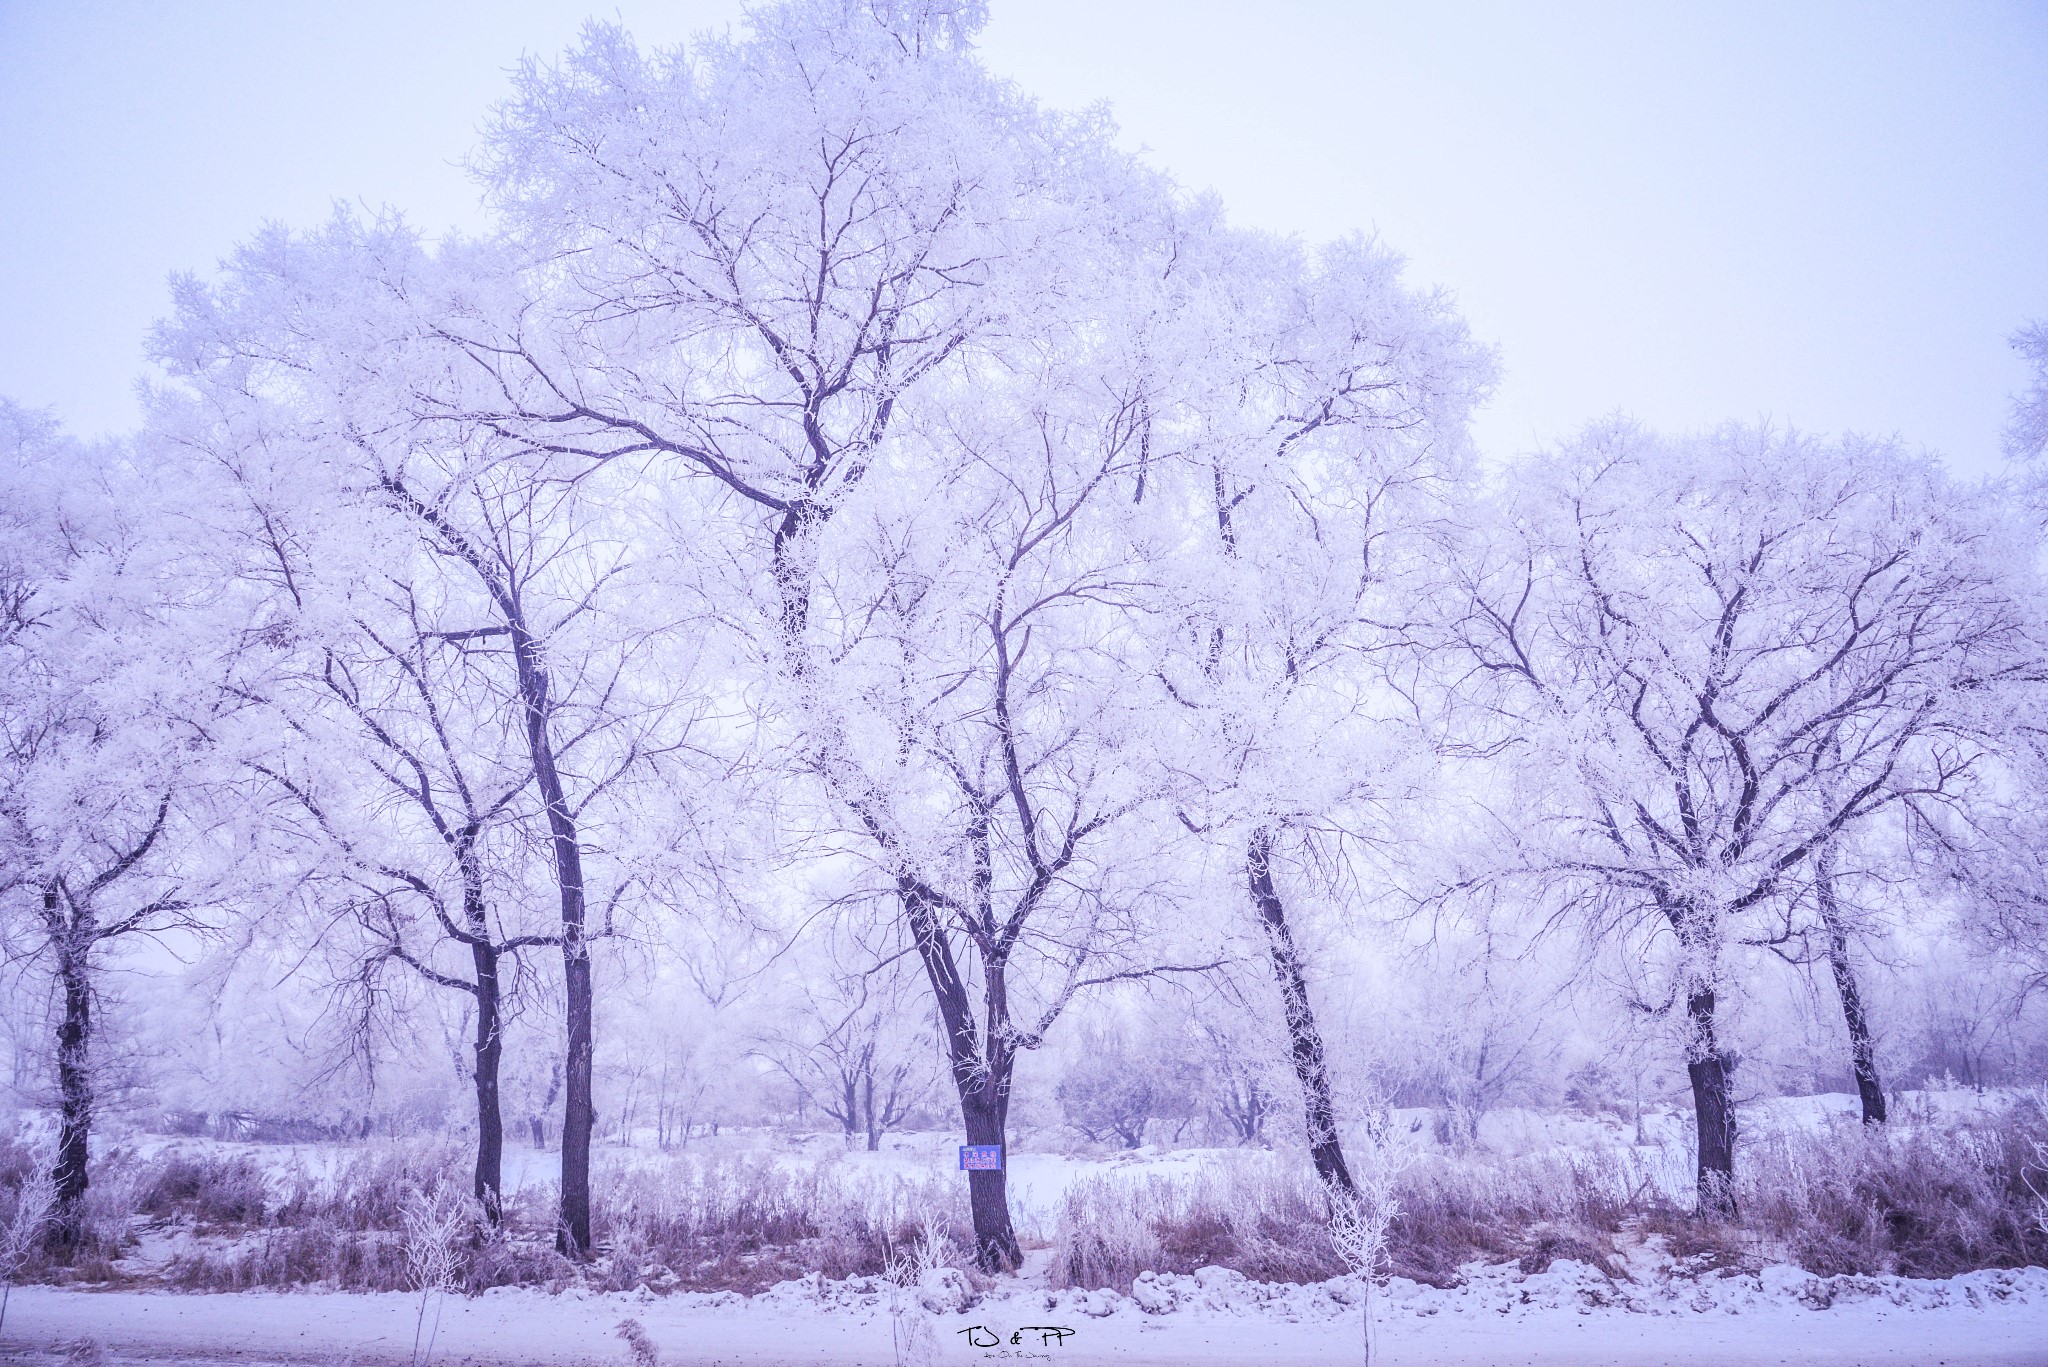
(981, 1158)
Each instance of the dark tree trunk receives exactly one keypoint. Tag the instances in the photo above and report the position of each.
(981, 1075)
(1713, 1100)
(539, 1118)
(490, 1053)
(572, 1237)
(868, 1118)
(1305, 1041)
(1244, 1106)
(1862, 1050)
(985, 1110)
(980, 1060)
(74, 1091)
(579, 1115)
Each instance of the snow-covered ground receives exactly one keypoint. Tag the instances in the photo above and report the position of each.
(1568, 1314)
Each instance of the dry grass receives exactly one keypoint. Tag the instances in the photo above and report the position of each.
(1262, 1218)
(1916, 1199)
(1919, 1198)
(722, 1223)
(745, 1223)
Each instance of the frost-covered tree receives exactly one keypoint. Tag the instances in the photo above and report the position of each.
(1143, 1074)
(112, 817)
(400, 782)
(463, 633)
(775, 263)
(1311, 439)
(1707, 659)
(2026, 432)
(980, 719)
(1994, 855)
(1243, 1075)
(856, 1038)
(1998, 854)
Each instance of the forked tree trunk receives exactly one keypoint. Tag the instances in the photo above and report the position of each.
(1245, 1109)
(572, 1235)
(1713, 1102)
(1862, 1049)
(980, 1061)
(74, 1092)
(1305, 1041)
(981, 1076)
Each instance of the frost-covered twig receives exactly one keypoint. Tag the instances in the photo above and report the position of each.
(1359, 1225)
(910, 1330)
(2040, 1193)
(434, 1224)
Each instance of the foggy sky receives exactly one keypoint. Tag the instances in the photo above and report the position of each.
(1830, 215)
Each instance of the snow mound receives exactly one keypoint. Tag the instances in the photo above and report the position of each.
(944, 1290)
(1566, 1287)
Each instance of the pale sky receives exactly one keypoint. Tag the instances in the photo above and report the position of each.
(1827, 214)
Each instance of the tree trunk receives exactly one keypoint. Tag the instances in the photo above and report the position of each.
(1305, 1041)
(1713, 1101)
(579, 1115)
(74, 1090)
(981, 1063)
(1862, 1050)
(490, 1053)
(572, 1237)
(1244, 1106)
(981, 1075)
(539, 1118)
(984, 1111)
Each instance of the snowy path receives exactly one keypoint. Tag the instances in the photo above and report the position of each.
(525, 1328)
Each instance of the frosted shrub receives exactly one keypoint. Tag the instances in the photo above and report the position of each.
(349, 1223)
(645, 1354)
(1267, 1216)
(1926, 1200)
(1531, 1209)
(27, 1214)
